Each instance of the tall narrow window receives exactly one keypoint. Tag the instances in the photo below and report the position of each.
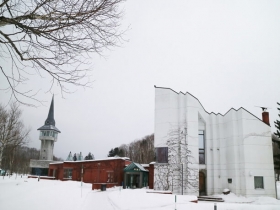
(201, 147)
(110, 176)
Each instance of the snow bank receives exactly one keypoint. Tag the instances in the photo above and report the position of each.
(22, 193)
(130, 198)
(232, 198)
(278, 189)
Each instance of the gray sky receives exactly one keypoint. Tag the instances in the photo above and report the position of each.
(225, 53)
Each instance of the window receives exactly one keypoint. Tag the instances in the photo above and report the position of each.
(45, 133)
(110, 176)
(67, 173)
(258, 182)
(162, 154)
(201, 147)
(55, 135)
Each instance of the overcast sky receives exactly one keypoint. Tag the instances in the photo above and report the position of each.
(225, 53)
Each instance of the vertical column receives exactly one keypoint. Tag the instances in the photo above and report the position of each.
(209, 156)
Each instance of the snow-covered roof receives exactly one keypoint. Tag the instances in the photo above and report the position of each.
(132, 166)
(108, 158)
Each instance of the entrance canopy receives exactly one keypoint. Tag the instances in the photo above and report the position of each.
(135, 176)
(135, 167)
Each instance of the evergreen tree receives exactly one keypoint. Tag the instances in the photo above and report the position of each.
(89, 156)
(277, 124)
(113, 152)
(276, 143)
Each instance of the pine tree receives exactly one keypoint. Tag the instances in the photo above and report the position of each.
(276, 155)
(277, 124)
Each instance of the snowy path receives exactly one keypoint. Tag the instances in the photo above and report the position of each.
(98, 200)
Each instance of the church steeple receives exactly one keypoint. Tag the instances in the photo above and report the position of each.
(50, 122)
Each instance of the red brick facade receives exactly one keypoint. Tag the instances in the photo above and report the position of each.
(151, 176)
(97, 172)
(94, 171)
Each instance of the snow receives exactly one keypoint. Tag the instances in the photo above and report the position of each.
(23, 193)
(226, 190)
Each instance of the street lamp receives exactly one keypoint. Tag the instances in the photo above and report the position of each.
(98, 172)
(182, 178)
(82, 174)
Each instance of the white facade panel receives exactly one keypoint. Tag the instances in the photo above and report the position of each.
(237, 145)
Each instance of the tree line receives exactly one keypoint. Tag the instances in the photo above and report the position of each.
(139, 151)
(17, 160)
(13, 134)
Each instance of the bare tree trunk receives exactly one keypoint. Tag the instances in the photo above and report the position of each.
(12, 131)
(178, 169)
(1, 154)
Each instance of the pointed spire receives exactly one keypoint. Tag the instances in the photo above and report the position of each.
(50, 120)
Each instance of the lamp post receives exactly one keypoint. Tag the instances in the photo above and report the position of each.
(182, 178)
(82, 174)
(98, 171)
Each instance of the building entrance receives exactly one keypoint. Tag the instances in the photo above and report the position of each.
(202, 188)
(133, 181)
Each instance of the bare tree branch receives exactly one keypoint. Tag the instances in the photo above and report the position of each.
(56, 37)
(12, 130)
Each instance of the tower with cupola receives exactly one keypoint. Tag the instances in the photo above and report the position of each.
(48, 135)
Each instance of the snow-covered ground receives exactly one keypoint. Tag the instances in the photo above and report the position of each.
(31, 194)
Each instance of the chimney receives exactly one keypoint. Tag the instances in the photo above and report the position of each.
(265, 117)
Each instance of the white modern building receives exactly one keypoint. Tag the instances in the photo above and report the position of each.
(204, 153)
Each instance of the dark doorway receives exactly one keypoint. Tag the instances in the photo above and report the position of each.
(133, 180)
(202, 189)
(39, 171)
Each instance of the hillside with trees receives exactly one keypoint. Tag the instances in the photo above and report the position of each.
(139, 151)
(17, 160)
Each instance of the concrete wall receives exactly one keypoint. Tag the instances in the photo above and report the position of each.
(46, 152)
(237, 145)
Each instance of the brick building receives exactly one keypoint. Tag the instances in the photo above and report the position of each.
(108, 171)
